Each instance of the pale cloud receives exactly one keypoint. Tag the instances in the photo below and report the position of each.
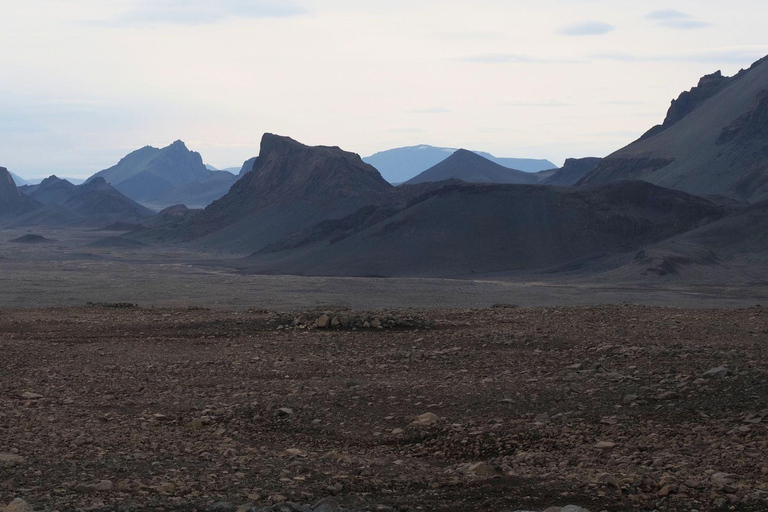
(671, 18)
(197, 12)
(587, 28)
(667, 14)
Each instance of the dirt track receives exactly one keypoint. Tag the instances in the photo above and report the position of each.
(603, 407)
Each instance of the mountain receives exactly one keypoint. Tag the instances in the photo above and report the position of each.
(231, 170)
(289, 188)
(51, 190)
(460, 230)
(521, 164)
(197, 194)
(95, 203)
(99, 204)
(12, 202)
(247, 166)
(472, 168)
(711, 143)
(166, 176)
(572, 171)
(19, 180)
(401, 164)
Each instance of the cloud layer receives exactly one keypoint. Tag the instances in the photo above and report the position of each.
(197, 12)
(671, 18)
(587, 28)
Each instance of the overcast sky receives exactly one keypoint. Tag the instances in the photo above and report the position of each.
(83, 82)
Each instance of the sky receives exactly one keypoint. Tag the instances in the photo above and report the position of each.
(84, 82)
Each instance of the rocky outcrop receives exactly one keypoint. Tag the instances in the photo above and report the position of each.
(709, 85)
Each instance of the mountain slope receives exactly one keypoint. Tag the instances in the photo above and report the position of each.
(714, 143)
(472, 168)
(401, 164)
(573, 170)
(465, 229)
(166, 176)
(12, 202)
(100, 203)
(52, 190)
(290, 187)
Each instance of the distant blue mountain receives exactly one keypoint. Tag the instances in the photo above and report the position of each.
(401, 164)
(20, 182)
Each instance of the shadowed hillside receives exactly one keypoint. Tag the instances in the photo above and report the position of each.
(466, 229)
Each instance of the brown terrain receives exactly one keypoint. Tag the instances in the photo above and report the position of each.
(608, 408)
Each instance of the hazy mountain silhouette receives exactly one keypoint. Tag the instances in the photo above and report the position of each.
(20, 182)
(712, 142)
(51, 190)
(472, 168)
(57, 202)
(401, 164)
(166, 176)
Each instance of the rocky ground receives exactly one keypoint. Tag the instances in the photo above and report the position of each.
(608, 408)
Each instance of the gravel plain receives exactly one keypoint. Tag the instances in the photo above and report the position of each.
(608, 408)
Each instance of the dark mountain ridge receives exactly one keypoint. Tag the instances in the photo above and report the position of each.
(712, 142)
(460, 230)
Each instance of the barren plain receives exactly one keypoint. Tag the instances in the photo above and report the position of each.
(222, 390)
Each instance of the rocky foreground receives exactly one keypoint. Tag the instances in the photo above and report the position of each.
(606, 408)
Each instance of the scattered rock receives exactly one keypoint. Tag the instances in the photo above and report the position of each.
(18, 505)
(482, 470)
(605, 445)
(573, 508)
(11, 459)
(222, 506)
(102, 486)
(425, 420)
(326, 505)
(323, 321)
(720, 372)
(720, 480)
(27, 395)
